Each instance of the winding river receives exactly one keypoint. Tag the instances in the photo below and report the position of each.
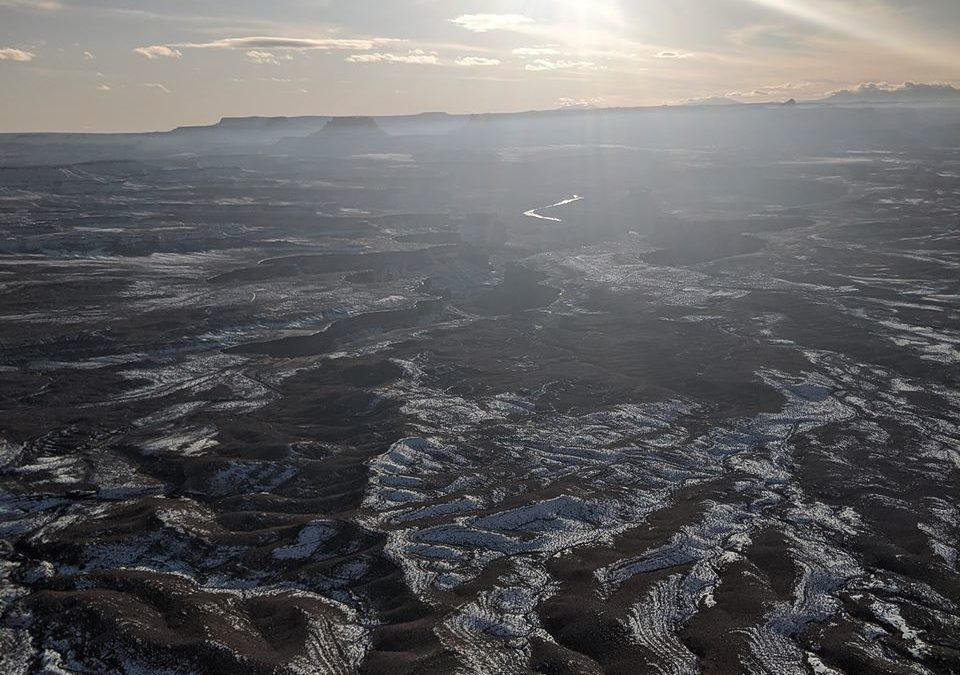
(535, 213)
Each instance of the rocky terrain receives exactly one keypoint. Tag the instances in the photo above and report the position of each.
(621, 392)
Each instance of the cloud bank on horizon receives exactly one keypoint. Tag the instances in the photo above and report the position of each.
(218, 58)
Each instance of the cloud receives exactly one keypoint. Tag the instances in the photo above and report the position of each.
(104, 87)
(769, 91)
(882, 92)
(288, 43)
(540, 65)
(10, 54)
(708, 101)
(672, 55)
(414, 57)
(536, 51)
(480, 61)
(158, 52)
(155, 85)
(756, 93)
(584, 103)
(267, 58)
(484, 23)
(87, 56)
(788, 86)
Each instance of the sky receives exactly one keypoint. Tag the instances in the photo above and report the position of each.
(134, 65)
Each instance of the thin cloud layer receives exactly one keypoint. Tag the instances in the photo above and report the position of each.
(541, 65)
(288, 43)
(477, 61)
(158, 52)
(579, 103)
(414, 57)
(484, 23)
(10, 54)
(266, 58)
(869, 92)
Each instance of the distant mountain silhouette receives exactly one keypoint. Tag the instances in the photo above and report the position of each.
(713, 100)
(259, 125)
(364, 125)
(341, 136)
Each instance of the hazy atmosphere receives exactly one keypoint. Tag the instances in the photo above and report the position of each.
(113, 65)
(433, 337)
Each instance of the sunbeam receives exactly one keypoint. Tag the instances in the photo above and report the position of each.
(859, 23)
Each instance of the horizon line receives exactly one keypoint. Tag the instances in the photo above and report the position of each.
(728, 104)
